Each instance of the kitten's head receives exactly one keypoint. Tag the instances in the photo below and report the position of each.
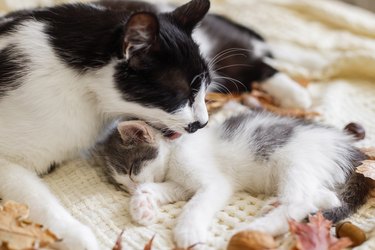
(162, 76)
(135, 153)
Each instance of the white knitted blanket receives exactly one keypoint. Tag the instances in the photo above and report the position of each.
(336, 44)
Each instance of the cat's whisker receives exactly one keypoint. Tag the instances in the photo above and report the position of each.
(235, 65)
(231, 79)
(215, 59)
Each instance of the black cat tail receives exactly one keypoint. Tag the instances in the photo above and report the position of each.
(353, 193)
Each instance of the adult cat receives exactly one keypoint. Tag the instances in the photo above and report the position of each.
(238, 56)
(68, 71)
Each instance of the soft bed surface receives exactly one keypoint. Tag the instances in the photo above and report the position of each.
(326, 42)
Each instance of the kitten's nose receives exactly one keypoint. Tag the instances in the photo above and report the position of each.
(193, 127)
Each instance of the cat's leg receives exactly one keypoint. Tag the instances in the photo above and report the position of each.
(297, 190)
(197, 215)
(146, 198)
(287, 92)
(24, 186)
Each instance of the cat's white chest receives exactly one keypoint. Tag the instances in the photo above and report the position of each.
(47, 120)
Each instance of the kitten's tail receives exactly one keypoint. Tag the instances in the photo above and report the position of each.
(352, 194)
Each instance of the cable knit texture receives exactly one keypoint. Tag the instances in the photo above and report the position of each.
(337, 44)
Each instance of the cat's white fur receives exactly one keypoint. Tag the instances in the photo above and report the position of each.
(208, 170)
(51, 117)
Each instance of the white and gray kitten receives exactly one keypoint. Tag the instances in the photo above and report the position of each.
(308, 167)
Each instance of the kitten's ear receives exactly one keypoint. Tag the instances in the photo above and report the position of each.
(134, 132)
(191, 13)
(140, 33)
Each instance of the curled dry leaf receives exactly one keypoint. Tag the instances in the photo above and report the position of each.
(148, 246)
(256, 99)
(354, 233)
(251, 240)
(315, 235)
(18, 233)
(367, 169)
(118, 245)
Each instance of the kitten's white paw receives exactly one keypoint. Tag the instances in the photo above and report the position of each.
(143, 208)
(187, 235)
(299, 97)
(77, 236)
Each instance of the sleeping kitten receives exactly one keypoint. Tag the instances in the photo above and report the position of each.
(67, 71)
(309, 167)
(237, 55)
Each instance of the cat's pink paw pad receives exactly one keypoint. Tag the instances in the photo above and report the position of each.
(143, 208)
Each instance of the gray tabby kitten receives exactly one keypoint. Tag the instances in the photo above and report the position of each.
(307, 166)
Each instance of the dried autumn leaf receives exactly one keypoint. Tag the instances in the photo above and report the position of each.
(148, 246)
(251, 240)
(215, 101)
(370, 152)
(18, 233)
(315, 235)
(302, 81)
(367, 169)
(189, 248)
(118, 245)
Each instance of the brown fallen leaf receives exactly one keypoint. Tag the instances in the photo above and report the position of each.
(302, 81)
(370, 152)
(255, 99)
(148, 246)
(18, 233)
(118, 244)
(315, 235)
(367, 169)
(252, 240)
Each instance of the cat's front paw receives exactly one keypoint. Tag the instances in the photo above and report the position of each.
(186, 236)
(143, 208)
(77, 237)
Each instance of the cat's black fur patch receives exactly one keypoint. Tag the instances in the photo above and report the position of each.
(241, 63)
(13, 66)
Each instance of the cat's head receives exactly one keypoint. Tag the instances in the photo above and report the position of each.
(162, 76)
(135, 153)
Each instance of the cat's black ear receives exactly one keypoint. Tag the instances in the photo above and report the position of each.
(191, 13)
(141, 33)
(134, 132)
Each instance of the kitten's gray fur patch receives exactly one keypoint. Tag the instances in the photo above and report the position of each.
(118, 157)
(234, 123)
(265, 139)
(353, 193)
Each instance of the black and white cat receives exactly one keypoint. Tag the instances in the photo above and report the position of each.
(237, 56)
(68, 71)
(308, 167)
